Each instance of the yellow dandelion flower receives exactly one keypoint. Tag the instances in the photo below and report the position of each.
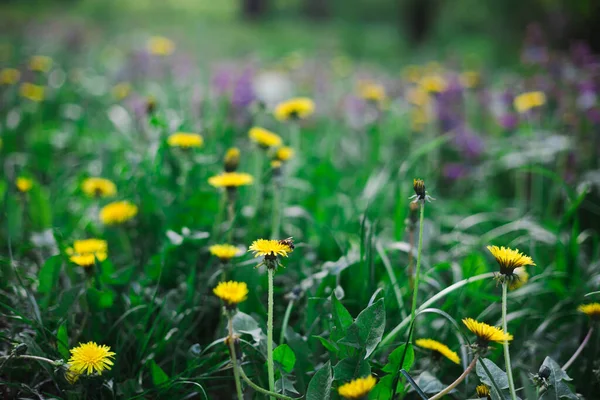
(297, 108)
(230, 179)
(509, 259)
(71, 376)
(90, 357)
(160, 46)
(117, 212)
(264, 138)
(270, 248)
(520, 278)
(486, 333)
(40, 63)
(371, 92)
(284, 153)
(433, 83)
(98, 187)
(185, 140)
(526, 101)
(224, 252)
(24, 184)
(121, 90)
(275, 164)
(9, 76)
(32, 92)
(85, 252)
(232, 293)
(357, 388)
(592, 310)
(438, 347)
(418, 97)
(232, 159)
(482, 391)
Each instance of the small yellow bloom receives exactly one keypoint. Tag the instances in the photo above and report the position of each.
(418, 96)
(185, 140)
(275, 164)
(85, 252)
(482, 391)
(32, 92)
(592, 310)
(269, 248)
(224, 252)
(9, 76)
(160, 46)
(509, 259)
(371, 92)
(433, 83)
(264, 138)
(357, 388)
(230, 179)
(438, 347)
(232, 159)
(526, 101)
(71, 376)
(98, 187)
(40, 63)
(486, 333)
(117, 212)
(284, 153)
(297, 108)
(121, 90)
(231, 292)
(90, 357)
(520, 278)
(24, 184)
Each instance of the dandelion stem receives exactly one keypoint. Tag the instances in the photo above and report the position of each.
(511, 383)
(411, 244)
(286, 320)
(579, 350)
(236, 372)
(418, 271)
(270, 365)
(457, 381)
(261, 390)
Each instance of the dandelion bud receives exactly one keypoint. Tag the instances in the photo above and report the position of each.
(232, 159)
(419, 187)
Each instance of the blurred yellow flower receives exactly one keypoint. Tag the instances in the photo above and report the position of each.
(117, 212)
(121, 90)
(40, 63)
(371, 92)
(232, 159)
(32, 92)
(419, 119)
(520, 278)
(433, 83)
(232, 293)
(526, 101)
(358, 388)
(297, 108)
(482, 391)
(486, 333)
(160, 46)
(417, 96)
(470, 79)
(509, 259)
(411, 73)
(90, 357)
(230, 179)
(438, 347)
(185, 140)
(85, 252)
(264, 138)
(592, 310)
(269, 248)
(284, 153)
(98, 187)
(224, 252)
(24, 184)
(9, 76)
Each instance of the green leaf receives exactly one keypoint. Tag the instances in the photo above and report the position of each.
(371, 324)
(99, 299)
(285, 385)
(328, 344)
(498, 375)
(395, 357)
(243, 323)
(351, 368)
(39, 208)
(285, 356)
(557, 388)
(319, 387)
(63, 341)
(158, 375)
(430, 384)
(49, 274)
(341, 317)
(383, 389)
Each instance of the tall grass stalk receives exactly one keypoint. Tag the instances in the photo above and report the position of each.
(579, 350)
(511, 382)
(270, 364)
(418, 270)
(286, 320)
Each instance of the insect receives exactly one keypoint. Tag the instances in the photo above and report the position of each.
(289, 242)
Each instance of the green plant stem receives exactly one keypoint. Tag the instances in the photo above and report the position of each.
(418, 270)
(276, 211)
(258, 170)
(261, 390)
(28, 357)
(236, 372)
(286, 320)
(579, 350)
(390, 336)
(511, 382)
(457, 381)
(270, 365)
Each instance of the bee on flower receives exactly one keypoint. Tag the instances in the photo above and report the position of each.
(357, 388)
(294, 109)
(271, 250)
